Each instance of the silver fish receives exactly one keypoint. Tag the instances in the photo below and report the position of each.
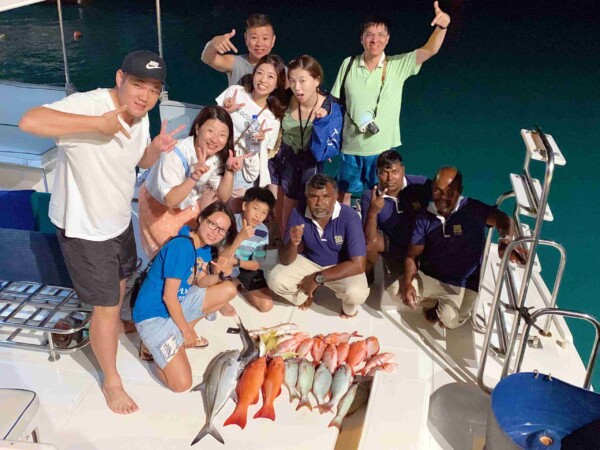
(361, 397)
(219, 383)
(340, 384)
(322, 384)
(291, 377)
(306, 375)
(220, 380)
(282, 328)
(343, 407)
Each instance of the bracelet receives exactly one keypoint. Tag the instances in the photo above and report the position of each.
(195, 179)
(442, 28)
(228, 169)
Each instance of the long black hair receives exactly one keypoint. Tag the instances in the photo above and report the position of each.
(225, 209)
(278, 100)
(215, 112)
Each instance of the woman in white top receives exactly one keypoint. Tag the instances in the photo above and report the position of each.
(262, 95)
(197, 172)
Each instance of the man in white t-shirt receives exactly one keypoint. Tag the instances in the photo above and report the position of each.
(102, 135)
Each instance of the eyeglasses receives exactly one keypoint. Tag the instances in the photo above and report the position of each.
(213, 226)
(377, 35)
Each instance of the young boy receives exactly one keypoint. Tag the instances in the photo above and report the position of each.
(250, 247)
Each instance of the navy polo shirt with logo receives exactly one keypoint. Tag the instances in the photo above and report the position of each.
(342, 238)
(453, 247)
(397, 216)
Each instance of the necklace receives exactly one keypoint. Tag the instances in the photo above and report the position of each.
(303, 128)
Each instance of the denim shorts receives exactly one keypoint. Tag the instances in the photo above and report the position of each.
(162, 336)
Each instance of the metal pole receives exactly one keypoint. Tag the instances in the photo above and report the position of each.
(159, 28)
(69, 87)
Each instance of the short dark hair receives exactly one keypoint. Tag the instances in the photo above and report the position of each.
(258, 20)
(374, 20)
(386, 159)
(216, 207)
(458, 178)
(219, 113)
(260, 194)
(320, 181)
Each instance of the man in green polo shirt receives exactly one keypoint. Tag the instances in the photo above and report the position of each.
(373, 95)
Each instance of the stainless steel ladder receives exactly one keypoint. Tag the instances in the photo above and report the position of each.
(531, 199)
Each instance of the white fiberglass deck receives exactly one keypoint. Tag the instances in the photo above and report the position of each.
(430, 402)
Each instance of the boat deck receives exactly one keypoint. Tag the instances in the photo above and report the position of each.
(430, 402)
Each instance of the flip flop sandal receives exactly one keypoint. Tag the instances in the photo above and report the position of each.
(201, 343)
(145, 354)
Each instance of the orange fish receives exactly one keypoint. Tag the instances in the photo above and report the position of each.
(337, 338)
(247, 390)
(372, 346)
(377, 360)
(304, 348)
(317, 350)
(271, 388)
(342, 353)
(357, 354)
(330, 358)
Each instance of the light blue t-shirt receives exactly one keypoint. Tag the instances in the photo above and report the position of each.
(174, 260)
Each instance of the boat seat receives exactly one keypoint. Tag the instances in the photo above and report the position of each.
(179, 113)
(16, 147)
(18, 413)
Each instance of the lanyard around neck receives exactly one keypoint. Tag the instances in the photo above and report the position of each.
(303, 128)
(378, 96)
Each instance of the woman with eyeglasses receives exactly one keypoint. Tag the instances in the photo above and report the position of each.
(182, 286)
(198, 171)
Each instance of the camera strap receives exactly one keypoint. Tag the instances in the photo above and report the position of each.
(383, 72)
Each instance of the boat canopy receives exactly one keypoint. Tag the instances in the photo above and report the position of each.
(14, 4)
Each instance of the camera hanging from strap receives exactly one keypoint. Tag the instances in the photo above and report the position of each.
(343, 90)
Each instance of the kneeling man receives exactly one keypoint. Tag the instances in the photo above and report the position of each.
(323, 246)
(448, 240)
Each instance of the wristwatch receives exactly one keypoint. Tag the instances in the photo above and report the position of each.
(320, 278)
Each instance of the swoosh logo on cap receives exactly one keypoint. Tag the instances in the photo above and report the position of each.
(153, 65)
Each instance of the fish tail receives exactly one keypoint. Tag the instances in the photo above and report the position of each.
(326, 407)
(304, 401)
(209, 428)
(238, 417)
(267, 411)
(294, 395)
(336, 422)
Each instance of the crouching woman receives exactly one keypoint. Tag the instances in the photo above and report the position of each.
(179, 290)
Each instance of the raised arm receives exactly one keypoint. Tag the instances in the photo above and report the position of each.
(370, 227)
(433, 45)
(214, 53)
(48, 122)
(506, 230)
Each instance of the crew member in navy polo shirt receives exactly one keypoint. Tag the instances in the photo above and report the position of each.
(388, 214)
(448, 240)
(324, 245)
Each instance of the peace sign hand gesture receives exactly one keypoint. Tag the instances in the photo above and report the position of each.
(222, 44)
(165, 142)
(262, 131)
(230, 105)
(441, 19)
(247, 230)
(110, 124)
(234, 163)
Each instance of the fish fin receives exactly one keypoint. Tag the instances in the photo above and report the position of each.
(255, 400)
(199, 387)
(209, 428)
(294, 395)
(336, 422)
(238, 417)
(267, 411)
(304, 402)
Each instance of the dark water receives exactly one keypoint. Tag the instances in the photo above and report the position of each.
(504, 66)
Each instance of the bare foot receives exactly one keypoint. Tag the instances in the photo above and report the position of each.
(307, 304)
(228, 310)
(343, 315)
(127, 326)
(118, 401)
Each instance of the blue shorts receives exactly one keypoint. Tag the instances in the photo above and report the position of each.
(162, 336)
(357, 173)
